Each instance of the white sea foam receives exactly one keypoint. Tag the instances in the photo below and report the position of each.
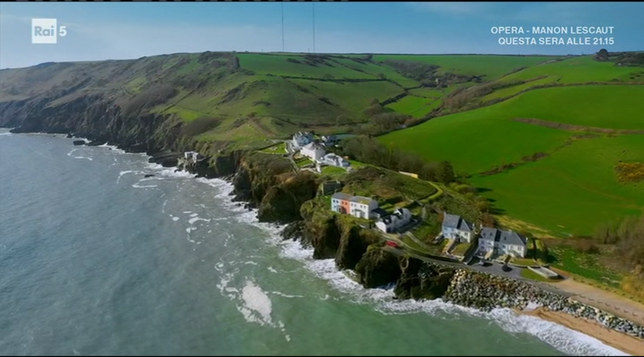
(257, 307)
(560, 337)
(174, 218)
(187, 212)
(286, 295)
(194, 215)
(136, 185)
(271, 269)
(6, 134)
(195, 219)
(83, 157)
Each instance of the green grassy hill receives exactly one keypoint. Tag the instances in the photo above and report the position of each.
(555, 170)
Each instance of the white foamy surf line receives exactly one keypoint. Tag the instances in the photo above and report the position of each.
(195, 219)
(6, 134)
(83, 157)
(562, 338)
(256, 306)
(136, 185)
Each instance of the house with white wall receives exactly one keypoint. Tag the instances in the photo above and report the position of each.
(313, 151)
(357, 206)
(455, 227)
(302, 138)
(335, 160)
(394, 221)
(500, 242)
(192, 156)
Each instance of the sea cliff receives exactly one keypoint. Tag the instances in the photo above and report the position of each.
(282, 195)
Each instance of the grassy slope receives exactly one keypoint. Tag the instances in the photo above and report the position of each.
(480, 139)
(572, 190)
(577, 70)
(491, 66)
(573, 70)
(415, 106)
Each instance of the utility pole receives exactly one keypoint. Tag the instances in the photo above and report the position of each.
(282, 27)
(313, 8)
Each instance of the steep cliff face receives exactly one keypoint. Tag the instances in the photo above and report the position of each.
(93, 117)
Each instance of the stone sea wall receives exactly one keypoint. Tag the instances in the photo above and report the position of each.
(487, 292)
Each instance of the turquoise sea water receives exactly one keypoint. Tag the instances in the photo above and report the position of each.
(95, 259)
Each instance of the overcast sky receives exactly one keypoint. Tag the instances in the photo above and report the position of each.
(98, 31)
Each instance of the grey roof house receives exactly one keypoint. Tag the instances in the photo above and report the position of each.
(455, 227)
(502, 242)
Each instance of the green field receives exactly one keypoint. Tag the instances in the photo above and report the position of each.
(490, 66)
(426, 92)
(477, 140)
(480, 139)
(603, 106)
(574, 189)
(510, 91)
(415, 106)
(280, 66)
(579, 70)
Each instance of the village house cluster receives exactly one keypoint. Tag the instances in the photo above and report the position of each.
(367, 208)
(315, 149)
(491, 242)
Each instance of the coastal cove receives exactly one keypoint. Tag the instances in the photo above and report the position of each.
(305, 291)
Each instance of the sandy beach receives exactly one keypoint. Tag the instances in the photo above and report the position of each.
(620, 341)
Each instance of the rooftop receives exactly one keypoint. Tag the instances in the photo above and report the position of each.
(455, 221)
(356, 199)
(505, 237)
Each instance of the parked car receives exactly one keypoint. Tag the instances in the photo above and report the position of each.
(506, 268)
(484, 263)
(392, 244)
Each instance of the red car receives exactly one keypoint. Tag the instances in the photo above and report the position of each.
(392, 244)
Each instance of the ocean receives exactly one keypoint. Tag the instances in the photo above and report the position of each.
(96, 259)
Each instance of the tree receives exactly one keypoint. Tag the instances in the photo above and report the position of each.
(602, 55)
(342, 119)
(445, 172)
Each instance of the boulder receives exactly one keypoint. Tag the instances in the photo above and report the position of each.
(79, 142)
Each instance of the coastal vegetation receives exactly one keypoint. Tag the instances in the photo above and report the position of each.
(550, 146)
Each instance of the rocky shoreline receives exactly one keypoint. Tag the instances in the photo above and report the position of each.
(486, 292)
(282, 197)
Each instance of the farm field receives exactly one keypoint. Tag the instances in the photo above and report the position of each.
(490, 66)
(510, 91)
(579, 70)
(572, 190)
(480, 139)
(415, 106)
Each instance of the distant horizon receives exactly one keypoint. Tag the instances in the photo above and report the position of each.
(103, 31)
(320, 53)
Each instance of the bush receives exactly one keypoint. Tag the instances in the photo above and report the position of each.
(200, 126)
(149, 98)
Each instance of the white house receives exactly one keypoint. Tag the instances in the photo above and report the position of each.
(357, 206)
(395, 221)
(302, 138)
(313, 151)
(335, 160)
(455, 227)
(329, 140)
(192, 156)
(502, 242)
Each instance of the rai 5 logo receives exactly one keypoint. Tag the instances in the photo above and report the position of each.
(46, 31)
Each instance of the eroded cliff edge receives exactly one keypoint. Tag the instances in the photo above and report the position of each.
(268, 183)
